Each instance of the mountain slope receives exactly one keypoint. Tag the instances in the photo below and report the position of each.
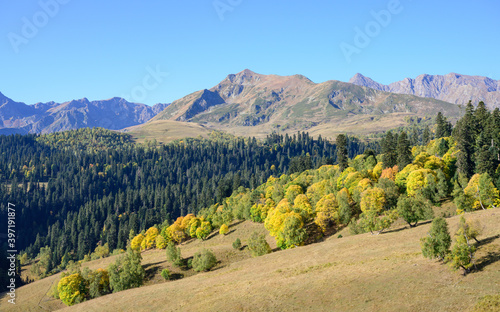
(453, 88)
(288, 103)
(115, 113)
(365, 272)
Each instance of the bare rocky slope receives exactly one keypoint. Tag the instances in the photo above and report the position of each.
(452, 88)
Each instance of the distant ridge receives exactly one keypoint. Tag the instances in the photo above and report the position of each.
(115, 113)
(453, 88)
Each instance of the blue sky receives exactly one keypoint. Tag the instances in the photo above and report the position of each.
(160, 50)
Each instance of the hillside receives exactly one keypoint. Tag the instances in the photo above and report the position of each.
(355, 273)
(114, 114)
(452, 88)
(166, 131)
(253, 104)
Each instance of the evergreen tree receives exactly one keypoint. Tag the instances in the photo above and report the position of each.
(465, 142)
(437, 245)
(426, 137)
(342, 156)
(403, 151)
(443, 127)
(389, 147)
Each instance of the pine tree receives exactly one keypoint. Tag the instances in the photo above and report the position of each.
(389, 146)
(342, 156)
(426, 136)
(437, 245)
(443, 127)
(465, 138)
(403, 151)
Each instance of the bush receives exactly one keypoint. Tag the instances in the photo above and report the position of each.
(258, 245)
(204, 260)
(237, 244)
(174, 254)
(165, 273)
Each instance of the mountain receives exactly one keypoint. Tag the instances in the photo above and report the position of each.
(452, 88)
(115, 113)
(248, 101)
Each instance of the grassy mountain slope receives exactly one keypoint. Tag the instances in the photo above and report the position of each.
(355, 273)
(166, 131)
(250, 103)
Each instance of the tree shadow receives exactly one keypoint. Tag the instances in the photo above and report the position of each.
(151, 272)
(236, 223)
(176, 276)
(491, 257)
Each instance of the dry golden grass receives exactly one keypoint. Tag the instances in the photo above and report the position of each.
(166, 131)
(356, 273)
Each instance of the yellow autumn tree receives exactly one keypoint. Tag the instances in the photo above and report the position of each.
(224, 229)
(327, 210)
(150, 238)
(302, 206)
(136, 242)
(72, 289)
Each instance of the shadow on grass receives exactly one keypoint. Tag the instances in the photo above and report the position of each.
(491, 257)
(176, 276)
(236, 223)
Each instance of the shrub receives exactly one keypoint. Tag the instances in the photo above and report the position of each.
(258, 245)
(174, 254)
(204, 260)
(237, 244)
(165, 273)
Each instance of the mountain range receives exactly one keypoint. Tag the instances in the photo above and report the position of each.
(115, 113)
(452, 88)
(248, 103)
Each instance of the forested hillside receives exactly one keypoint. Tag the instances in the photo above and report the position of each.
(75, 189)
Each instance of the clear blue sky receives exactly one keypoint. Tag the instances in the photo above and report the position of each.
(100, 49)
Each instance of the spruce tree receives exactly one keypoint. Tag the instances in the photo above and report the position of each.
(342, 156)
(389, 146)
(465, 138)
(426, 137)
(403, 151)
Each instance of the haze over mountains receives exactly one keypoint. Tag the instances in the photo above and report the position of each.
(115, 113)
(452, 88)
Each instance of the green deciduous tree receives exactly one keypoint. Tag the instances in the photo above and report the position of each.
(414, 209)
(127, 272)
